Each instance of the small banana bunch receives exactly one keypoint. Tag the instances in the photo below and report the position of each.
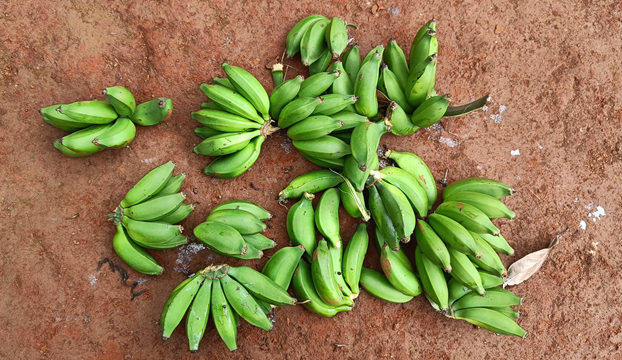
(234, 229)
(230, 293)
(319, 40)
(147, 216)
(236, 122)
(97, 125)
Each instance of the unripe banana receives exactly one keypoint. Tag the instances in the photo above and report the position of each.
(283, 94)
(247, 85)
(151, 232)
(304, 288)
(489, 261)
(149, 185)
(352, 63)
(179, 215)
(457, 290)
(394, 210)
(321, 63)
(430, 25)
(498, 243)
(494, 188)
(67, 151)
(311, 182)
(382, 219)
(120, 134)
(224, 121)
(63, 122)
(301, 223)
(416, 167)
(224, 82)
(463, 270)
(225, 144)
(426, 45)
(204, 132)
(224, 319)
(198, 314)
(453, 234)
(378, 49)
(250, 254)
(400, 121)
(313, 127)
(261, 213)
(244, 304)
(121, 100)
(393, 88)
(380, 85)
(298, 110)
(421, 78)
(432, 279)
(334, 103)
(489, 205)
(261, 286)
(324, 277)
(430, 111)
(491, 320)
(231, 101)
(408, 214)
(509, 312)
(173, 185)
(236, 164)
(494, 298)
(152, 112)
(91, 112)
(259, 242)
(365, 142)
(277, 74)
(312, 44)
(380, 241)
(398, 275)
(169, 244)
(353, 258)
(355, 175)
(177, 305)
(221, 237)
(469, 216)
(408, 185)
(282, 264)
(348, 201)
(335, 164)
(210, 105)
(336, 256)
(345, 136)
(342, 85)
(432, 246)
(81, 141)
(297, 32)
(244, 222)
(327, 216)
(396, 60)
(337, 37)
(133, 255)
(350, 119)
(377, 284)
(325, 147)
(365, 86)
(316, 85)
(155, 208)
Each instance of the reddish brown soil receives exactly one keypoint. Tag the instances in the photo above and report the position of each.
(554, 66)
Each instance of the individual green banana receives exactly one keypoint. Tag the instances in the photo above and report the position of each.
(380, 85)
(458, 290)
(342, 85)
(261, 286)
(173, 185)
(243, 221)
(463, 270)
(336, 256)
(133, 255)
(204, 132)
(365, 142)
(244, 304)
(345, 136)
(430, 111)
(250, 254)
(231, 101)
(121, 99)
(380, 241)
(179, 215)
(393, 88)
(489, 261)
(313, 127)
(150, 232)
(408, 214)
(395, 211)
(297, 32)
(408, 185)
(236, 164)
(259, 242)
(348, 201)
(494, 298)
(261, 213)
(324, 277)
(221, 237)
(400, 121)
(453, 234)
(91, 112)
(169, 244)
(334, 103)
(320, 64)
(355, 175)
(432, 246)
(491, 320)
(81, 141)
(396, 60)
(498, 243)
(311, 182)
(283, 94)
(63, 122)
(316, 85)
(247, 85)
(67, 151)
(224, 121)
(382, 219)
(353, 257)
(365, 86)
(350, 119)
(155, 208)
(376, 283)
(378, 49)
(277, 74)
(226, 143)
(325, 147)
(210, 105)
(469, 216)
(335, 164)
(224, 82)
(432, 279)
(198, 314)
(494, 188)
(426, 46)
(352, 62)
(418, 83)
(224, 320)
(152, 112)
(416, 167)
(298, 110)
(177, 305)
(304, 289)
(489, 205)
(430, 25)
(337, 37)
(327, 216)
(509, 312)
(301, 223)
(312, 44)
(398, 275)
(282, 264)
(149, 185)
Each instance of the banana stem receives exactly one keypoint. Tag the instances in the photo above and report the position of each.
(366, 216)
(267, 129)
(215, 269)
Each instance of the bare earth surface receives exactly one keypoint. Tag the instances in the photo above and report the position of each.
(553, 69)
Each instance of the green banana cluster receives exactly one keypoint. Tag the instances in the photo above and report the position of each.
(147, 218)
(235, 122)
(97, 125)
(234, 228)
(230, 293)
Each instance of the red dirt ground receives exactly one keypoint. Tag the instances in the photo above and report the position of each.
(553, 69)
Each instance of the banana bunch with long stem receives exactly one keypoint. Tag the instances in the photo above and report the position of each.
(229, 293)
(234, 229)
(97, 125)
(147, 218)
(236, 122)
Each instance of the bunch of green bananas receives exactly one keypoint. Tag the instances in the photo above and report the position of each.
(97, 125)
(236, 122)
(230, 293)
(147, 216)
(234, 229)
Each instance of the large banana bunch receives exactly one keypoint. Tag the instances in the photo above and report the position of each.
(147, 216)
(234, 229)
(236, 122)
(230, 293)
(97, 125)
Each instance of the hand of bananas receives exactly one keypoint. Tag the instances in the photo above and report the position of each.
(97, 125)
(146, 217)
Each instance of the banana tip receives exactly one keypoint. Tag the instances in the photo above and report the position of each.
(164, 338)
(447, 269)
(479, 256)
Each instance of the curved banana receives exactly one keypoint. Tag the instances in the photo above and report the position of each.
(469, 216)
(297, 32)
(342, 85)
(433, 280)
(261, 286)
(421, 77)
(198, 314)
(498, 243)
(244, 304)
(324, 277)
(169, 244)
(91, 112)
(311, 182)
(325, 147)
(494, 188)
(416, 167)
(335, 164)
(221, 237)
(353, 258)
(244, 222)
(152, 112)
(394, 210)
(282, 264)
(81, 141)
(463, 270)
(225, 144)
(316, 85)
(173, 185)
(509, 312)
(133, 255)
(337, 37)
(236, 164)
(261, 213)
(489, 205)
(357, 177)
(408, 185)
(179, 215)
(321, 63)
(121, 99)
(432, 246)
(58, 120)
(224, 121)
(352, 63)
(426, 45)
(494, 298)
(400, 121)
(489, 261)
(259, 242)
(204, 132)
(177, 305)
(223, 315)
(380, 241)
(430, 111)
(327, 217)
(247, 85)
(454, 234)
(458, 290)
(378, 49)
(376, 283)
(395, 58)
(348, 201)
(283, 94)
(298, 110)
(149, 185)
(312, 44)
(210, 105)
(393, 88)
(224, 82)
(155, 208)
(382, 219)
(150, 232)
(334, 103)
(365, 86)
(398, 275)
(313, 127)
(408, 214)
(231, 101)
(336, 256)
(491, 320)
(304, 289)
(423, 31)
(301, 223)
(67, 151)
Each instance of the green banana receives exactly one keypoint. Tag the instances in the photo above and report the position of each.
(432, 246)
(376, 283)
(224, 82)
(382, 219)
(224, 121)
(179, 215)
(378, 49)
(489, 205)
(348, 201)
(494, 298)
(463, 270)
(304, 289)
(210, 105)
(426, 45)
(350, 119)
(509, 312)
(173, 185)
(298, 110)
(316, 85)
(325, 147)
(416, 167)
(393, 88)
(380, 85)
(311, 182)
(345, 136)
(81, 141)
(301, 223)
(204, 132)
(327, 216)
(150, 232)
(498, 243)
(247, 85)
(283, 94)
(244, 304)
(365, 86)
(352, 62)
(321, 63)
(261, 213)
(430, 25)
(282, 264)
(454, 234)
(63, 122)
(312, 44)
(297, 32)
(90, 112)
(395, 58)
(408, 214)
(224, 319)
(177, 305)
(336, 164)
(259, 242)
(313, 127)
(277, 74)
(243, 221)
(225, 144)
(261, 286)
(337, 37)
(149, 185)
(221, 237)
(324, 277)
(169, 244)
(430, 111)
(491, 320)
(418, 83)
(400, 121)
(394, 210)
(133, 255)
(236, 164)
(67, 151)
(342, 85)
(432, 279)
(398, 274)
(336, 256)
(152, 112)
(155, 208)
(458, 290)
(121, 99)
(250, 254)
(355, 175)
(198, 314)
(489, 261)
(408, 185)
(365, 142)
(494, 188)
(334, 103)
(380, 241)
(353, 258)
(469, 216)
(231, 101)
